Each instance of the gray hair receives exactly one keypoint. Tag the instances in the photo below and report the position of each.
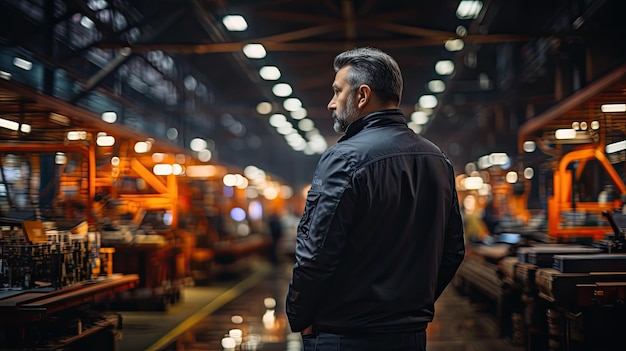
(374, 68)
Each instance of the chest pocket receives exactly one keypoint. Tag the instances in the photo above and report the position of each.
(309, 211)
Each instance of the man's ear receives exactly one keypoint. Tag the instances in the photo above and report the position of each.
(364, 94)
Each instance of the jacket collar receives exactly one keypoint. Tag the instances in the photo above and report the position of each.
(374, 119)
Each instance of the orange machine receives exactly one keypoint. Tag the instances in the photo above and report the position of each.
(571, 219)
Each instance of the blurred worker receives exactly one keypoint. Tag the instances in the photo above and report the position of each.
(276, 231)
(381, 235)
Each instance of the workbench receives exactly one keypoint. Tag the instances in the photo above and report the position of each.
(70, 318)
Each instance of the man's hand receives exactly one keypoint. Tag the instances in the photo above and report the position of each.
(307, 330)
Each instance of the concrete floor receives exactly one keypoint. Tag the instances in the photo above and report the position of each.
(244, 303)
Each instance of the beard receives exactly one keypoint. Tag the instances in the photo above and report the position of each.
(343, 119)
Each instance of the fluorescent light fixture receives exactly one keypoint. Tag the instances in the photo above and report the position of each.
(282, 89)
(299, 113)
(454, 45)
(498, 158)
(529, 173)
(158, 157)
(141, 147)
(59, 119)
(306, 125)
(269, 72)
(5, 75)
(22, 63)
(25, 128)
(529, 146)
(419, 117)
(197, 144)
(86, 22)
(109, 116)
(566, 133)
(264, 108)
(162, 169)
(201, 171)
(254, 51)
(417, 128)
(8, 124)
(595, 125)
(436, 86)
(235, 23)
(60, 158)
(469, 9)
(177, 169)
(292, 104)
(428, 101)
(444, 67)
(105, 140)
(276, 120)
(205, 155)
(616, 147)
(613, 108)
(484, 162)
(76, 135)
(511, 177)
(473, 183)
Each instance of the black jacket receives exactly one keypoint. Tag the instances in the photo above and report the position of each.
(381, 235)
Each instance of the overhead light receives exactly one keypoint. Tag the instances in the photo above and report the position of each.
(235, 23)
(428, 101)
(269, 72)
(454, 45)
(469, 9)
(109, 117)
(419, 117)
(254, 51)
(60, 158)
(197, 144)
(529, 173)
(608, 108)
(499, 159)
(205, 155)
(141, 147)
(436, 86)
(5, 75)
(511, 177)
(299, 113)
(59, 119)
(529, 146)
(264, 107)
(565, 133)
(22, 63)
(105, 140)
(86, 22)
(77, 135)
(306, 125)
(473, 183)
(8, 124)
(595, 125)
(444, 67)
(616, 147)
(276, 120)
(162, 169)
(282, 89)
(292, 104)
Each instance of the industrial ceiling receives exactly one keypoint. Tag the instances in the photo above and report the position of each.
(172, 64)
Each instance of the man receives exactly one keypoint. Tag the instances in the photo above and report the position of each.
(381, 235)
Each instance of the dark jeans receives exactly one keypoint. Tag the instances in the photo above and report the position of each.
(411, 341)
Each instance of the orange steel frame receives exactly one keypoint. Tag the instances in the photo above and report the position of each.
(562, 198)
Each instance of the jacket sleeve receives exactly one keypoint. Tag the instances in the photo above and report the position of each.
(454, 244)
(320, 239)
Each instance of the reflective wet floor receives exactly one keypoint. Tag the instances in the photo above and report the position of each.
(245, 311)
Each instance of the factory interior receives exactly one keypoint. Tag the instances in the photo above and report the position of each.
(147, 145)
